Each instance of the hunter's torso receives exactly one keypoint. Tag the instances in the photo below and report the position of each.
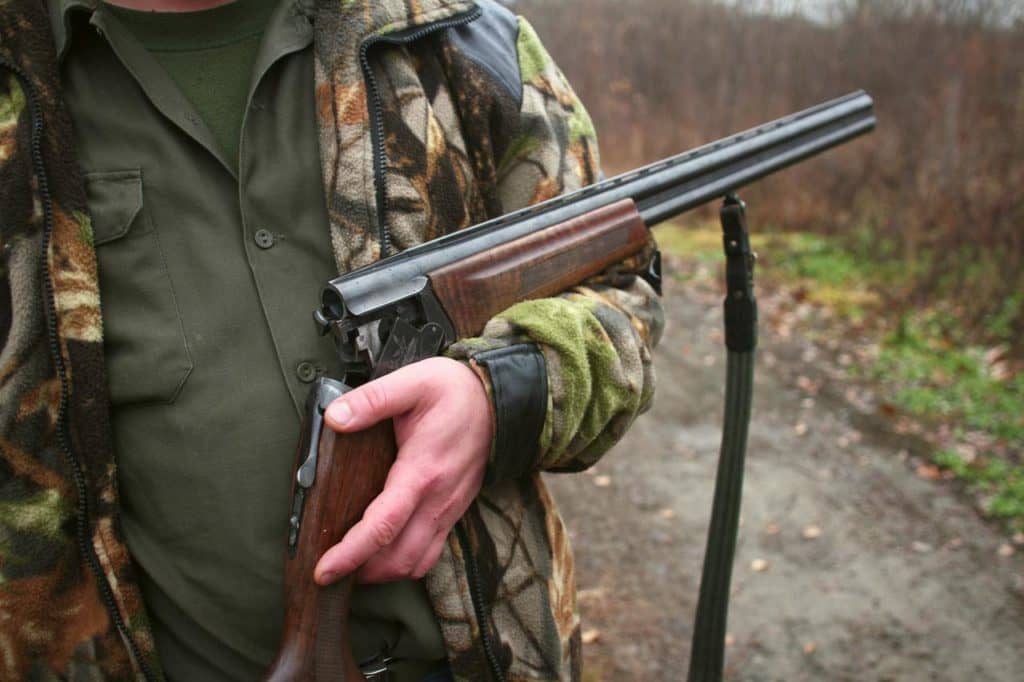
(211, 256)
(423, 125)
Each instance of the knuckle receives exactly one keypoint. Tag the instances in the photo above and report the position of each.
(375, 397)
(398, 568)
(434, 479)
(406, 568)
(384, 532)
(429, 481)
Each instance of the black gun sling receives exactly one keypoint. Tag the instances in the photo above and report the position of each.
(707, 652)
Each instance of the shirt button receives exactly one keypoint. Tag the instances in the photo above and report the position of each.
(306, 371)
(264, 239)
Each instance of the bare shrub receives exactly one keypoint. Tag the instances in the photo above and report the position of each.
(936, 186)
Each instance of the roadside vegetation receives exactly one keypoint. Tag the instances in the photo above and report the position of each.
(967, 395)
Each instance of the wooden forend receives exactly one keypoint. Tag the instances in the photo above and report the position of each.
(541, 264)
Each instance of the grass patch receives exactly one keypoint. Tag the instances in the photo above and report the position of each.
(702, 243)
(939, 378)
(937, 375)
(826, 271)
(1000, 483)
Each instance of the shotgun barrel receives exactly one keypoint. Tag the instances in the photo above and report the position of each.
(660, 191)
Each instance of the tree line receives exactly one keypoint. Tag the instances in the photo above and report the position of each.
(937, 187)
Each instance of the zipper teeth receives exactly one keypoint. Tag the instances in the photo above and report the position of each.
(380, 159)
(379, 168)
(476, 596)
(81, 525)
(376, 140)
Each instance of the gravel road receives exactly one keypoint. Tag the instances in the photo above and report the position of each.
(849, 566)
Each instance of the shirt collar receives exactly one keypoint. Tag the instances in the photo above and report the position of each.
(61, 10)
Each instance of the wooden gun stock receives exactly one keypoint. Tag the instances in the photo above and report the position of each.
(350, 473)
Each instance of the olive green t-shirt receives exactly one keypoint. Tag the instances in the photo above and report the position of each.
(208, 55)
(211, 262)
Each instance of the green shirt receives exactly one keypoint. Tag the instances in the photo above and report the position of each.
(210, 266)
(205, 53)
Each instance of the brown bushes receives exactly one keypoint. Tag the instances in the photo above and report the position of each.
(937, 186)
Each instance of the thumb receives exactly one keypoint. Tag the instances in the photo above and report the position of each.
(383, 398)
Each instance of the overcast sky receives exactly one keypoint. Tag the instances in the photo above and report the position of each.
(824, 10)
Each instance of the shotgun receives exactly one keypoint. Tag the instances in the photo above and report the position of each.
(413, 305)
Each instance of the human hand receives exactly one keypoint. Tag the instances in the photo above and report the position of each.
(443, 429)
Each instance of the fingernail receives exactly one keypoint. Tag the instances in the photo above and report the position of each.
(340, 413)
(327, 578)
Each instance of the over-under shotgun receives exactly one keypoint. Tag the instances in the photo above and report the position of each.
(413, 305)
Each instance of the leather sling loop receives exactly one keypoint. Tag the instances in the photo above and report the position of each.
(708, 651)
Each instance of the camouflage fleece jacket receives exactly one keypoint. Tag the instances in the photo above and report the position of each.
(433, 115)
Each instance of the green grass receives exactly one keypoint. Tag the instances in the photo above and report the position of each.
(1000, 483)
(949, 380)
(702, 243)
(927, 364)
(827, 272)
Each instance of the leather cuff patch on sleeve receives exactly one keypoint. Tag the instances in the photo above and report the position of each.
(519, 384)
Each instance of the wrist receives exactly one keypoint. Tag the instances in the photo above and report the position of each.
(485, 381)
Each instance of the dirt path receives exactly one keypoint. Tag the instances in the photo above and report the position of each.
(902, 582)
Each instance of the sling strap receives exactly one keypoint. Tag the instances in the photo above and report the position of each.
(707, 653)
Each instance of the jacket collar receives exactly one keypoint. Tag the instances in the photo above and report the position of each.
(390, 16)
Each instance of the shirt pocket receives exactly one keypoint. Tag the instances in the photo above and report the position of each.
(143, 338)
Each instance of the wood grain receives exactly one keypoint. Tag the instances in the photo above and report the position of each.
(350, 473)
(541, 264)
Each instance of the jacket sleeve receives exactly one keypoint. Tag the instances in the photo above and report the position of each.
(567, 375)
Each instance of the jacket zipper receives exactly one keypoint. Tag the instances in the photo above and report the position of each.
(376, 114)
(477, 597)
(376, 107)
(63, 437)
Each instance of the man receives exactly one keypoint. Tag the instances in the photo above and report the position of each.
(215, 213)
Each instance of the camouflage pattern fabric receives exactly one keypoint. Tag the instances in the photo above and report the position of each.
(458, 148)
(59, 538)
